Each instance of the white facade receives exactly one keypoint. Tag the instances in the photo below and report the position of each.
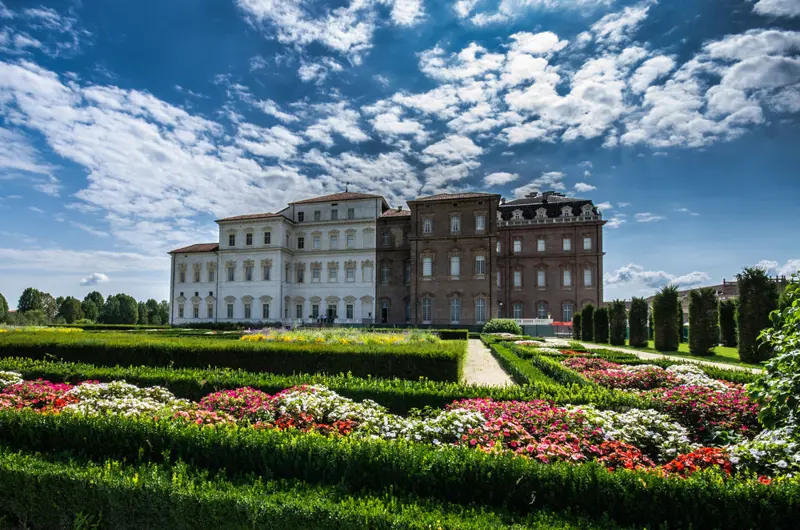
(313, 259)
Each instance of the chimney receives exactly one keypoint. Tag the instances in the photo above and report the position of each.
(532, 195)
(502, 200)
(399, 208)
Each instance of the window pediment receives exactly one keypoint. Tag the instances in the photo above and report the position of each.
(541, 213)
(230, 299)
(266, 299)
(566, 211)
(247, 299)
(266, 263)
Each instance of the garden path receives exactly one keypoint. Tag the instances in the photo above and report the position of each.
(648, 355)
(481, 368)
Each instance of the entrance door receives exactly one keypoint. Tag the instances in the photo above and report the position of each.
(384, 312)
(331, 312)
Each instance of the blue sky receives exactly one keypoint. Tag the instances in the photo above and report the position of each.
(126, 128)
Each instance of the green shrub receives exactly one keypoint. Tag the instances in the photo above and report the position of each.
(576, 326)
(449, 474)
(618, 323)
(727, 322)
(680, 322)
(553, 368)
(758, 296)
(587, 323)
(110, 327)
(438, 362)
(665, 326)
(703, 317)
(601, 325)
(521, 371)
(502, 325)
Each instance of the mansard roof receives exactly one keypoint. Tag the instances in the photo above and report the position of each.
(550, 202)
(343, 196)
(454, 196)
(250, 217)
(197, 247)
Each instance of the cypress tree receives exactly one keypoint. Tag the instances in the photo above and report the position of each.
(680, 322)
(665, 324)
(587, 323)
(727, 322)
(576, 326)
(601, 325)
(638, 322)
(650, 333)
(703, 321)
(758, 296)
(3, 309)
(618, 323)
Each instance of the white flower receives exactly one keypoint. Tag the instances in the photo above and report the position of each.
(782, 464)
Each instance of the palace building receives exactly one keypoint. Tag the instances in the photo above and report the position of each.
(349, 258)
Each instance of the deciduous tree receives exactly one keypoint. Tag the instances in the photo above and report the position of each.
(30, 300)
(71, 310)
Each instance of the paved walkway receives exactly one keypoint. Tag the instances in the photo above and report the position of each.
(482, 368)
(650, 355)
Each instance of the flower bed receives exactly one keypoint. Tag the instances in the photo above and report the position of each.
(341, 336)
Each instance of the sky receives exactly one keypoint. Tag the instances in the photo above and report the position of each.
(126, 128)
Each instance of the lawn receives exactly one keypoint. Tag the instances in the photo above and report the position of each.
(722, 354)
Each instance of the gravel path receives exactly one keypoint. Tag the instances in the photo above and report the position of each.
(649, 355)
(482, 368)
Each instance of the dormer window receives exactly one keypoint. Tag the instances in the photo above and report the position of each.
(587, 209)
(566, 211)
(517, 215)
(541, 213)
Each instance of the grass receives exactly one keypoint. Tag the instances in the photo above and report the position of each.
(722, 354)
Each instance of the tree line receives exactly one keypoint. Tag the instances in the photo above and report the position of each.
(36, 307)
(734, 323)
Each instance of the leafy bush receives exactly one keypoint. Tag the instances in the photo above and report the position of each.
(576, 326)
(618, 323)
(665, 325)
(601, 325)
(758, 296)
(438, 362)
(587, 323)
(110, 327)
(703, 317)
(727, 322)
(502, 325)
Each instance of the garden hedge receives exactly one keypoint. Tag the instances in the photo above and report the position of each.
(437, 362)
(727, 322)
(665, 325)
(50, 494)
(601, 325)
(587, 323)
(111, 327)
(450, 474)
(618, 323)
(703, 321)
(576, 326)
(758, 296)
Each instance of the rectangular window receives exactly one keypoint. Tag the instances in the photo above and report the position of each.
(197, 276)
(540, 244)
(349, 311)
(480, 223)
(587, 277)
(480, 265)
(248, 273)
(301, 242)
(567, 278)
(384, 273)
(350, 274)
(210, 310)
(248, 239)
(480, 310)
(427, 225)
(351, 213)
(265, 311)
(180, 311)
(333, 274)
(498, 278)
(517, 246)
(211, 275)
(266, 273)
(455, 224)
(286, 311)
(408, 311)
(231, 240)
(566, 310)
(182, 277)
(247, 311)
(298, 311)
(334, 242)
(286, 275)
(315, 311)
(427, 309)
(427, 267)
(351, 240)
(517, 310)
(498, 247)
(455, 266)
(455, 310)
(315, 274)
(230, 274)
(517, 278)
(386, 238)
(230, 310)
(301, 216)
(267, 238)
(300, 275)
(317, 215)
(566, 244)
(334, 215)
(315, 242)
(196, 311)
(541, 310)
(407, 273)
(540, 278)
(587, 243)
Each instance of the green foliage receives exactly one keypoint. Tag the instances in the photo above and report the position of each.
(3, 309)
(650, 332)
(587, 323)
(778, 388)
(438, 362)
(96, 298)
(521, 371)
(90, 310)
(665, 325)
(163, 312)
(552, 368)
(110, 314)
(502, 325)
(71, 310)
(143, 318)
(758, 296)
(703, 321)
(576, 326)
(49, 306)
(48, 493)
(727, 322)
(30, 300)
(679, 318)
(91, 326)
(601, 325)
(448, 474)
(618, 323)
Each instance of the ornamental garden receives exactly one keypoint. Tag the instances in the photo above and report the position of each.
(169, 428)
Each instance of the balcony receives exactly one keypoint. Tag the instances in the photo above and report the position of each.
(550, 220)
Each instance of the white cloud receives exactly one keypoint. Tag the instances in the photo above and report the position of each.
(778, 8)
(94, 279)
(392, 124)
(543, 43)
(616, 221)
(35, 209)
(687, 211)
(406, 12)
(616, 28)
(551, 180)
(473, 61)
(73, 261)
(604, 206)
(338, 118)
(499, 178)
(623, 204)
(582, 187)
(464, 7)
(319, 71)
(88, 229)
(647, 217)
(651, 70)
(510, 9)
(633, 273)
(453, 148)
(773, 268)
(271, 108)
(275, 142)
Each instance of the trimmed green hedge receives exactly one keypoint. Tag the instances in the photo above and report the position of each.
(437, 362)
(110, 327)
(450, 474)
(47, 493)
